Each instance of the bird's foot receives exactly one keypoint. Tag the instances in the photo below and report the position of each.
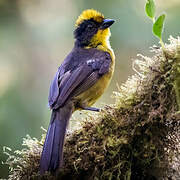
(91, 109)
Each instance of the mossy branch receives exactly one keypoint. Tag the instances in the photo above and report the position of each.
(136, 138)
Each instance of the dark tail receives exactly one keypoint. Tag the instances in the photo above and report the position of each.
(52, 154)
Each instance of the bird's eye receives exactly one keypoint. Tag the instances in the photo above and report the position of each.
(90, 26)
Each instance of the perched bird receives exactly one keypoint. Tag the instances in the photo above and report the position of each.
(80, 80)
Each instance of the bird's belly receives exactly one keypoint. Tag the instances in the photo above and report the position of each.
(90, 96)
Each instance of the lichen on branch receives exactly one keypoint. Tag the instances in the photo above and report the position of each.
(138, 137)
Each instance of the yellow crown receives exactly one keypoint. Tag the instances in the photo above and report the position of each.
(90, 14)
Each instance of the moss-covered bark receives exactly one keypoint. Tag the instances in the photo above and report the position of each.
(136, 138)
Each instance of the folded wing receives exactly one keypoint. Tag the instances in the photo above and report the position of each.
(76, 81)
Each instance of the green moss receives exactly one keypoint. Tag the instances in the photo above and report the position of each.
(177, 75)
(135, 138)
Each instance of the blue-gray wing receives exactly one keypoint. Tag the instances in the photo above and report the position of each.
(54, 88)
(75, 81)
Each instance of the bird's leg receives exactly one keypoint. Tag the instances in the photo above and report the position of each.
(90, 109)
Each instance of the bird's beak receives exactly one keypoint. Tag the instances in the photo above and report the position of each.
(107, 23)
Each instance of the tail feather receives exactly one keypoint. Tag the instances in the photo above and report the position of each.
(52, 154)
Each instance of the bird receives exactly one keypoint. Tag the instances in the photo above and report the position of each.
(80, 80)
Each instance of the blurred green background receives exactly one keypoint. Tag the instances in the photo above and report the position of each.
(35, 37)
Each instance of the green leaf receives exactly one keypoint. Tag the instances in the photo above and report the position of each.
(158, 26)
(150, 8)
